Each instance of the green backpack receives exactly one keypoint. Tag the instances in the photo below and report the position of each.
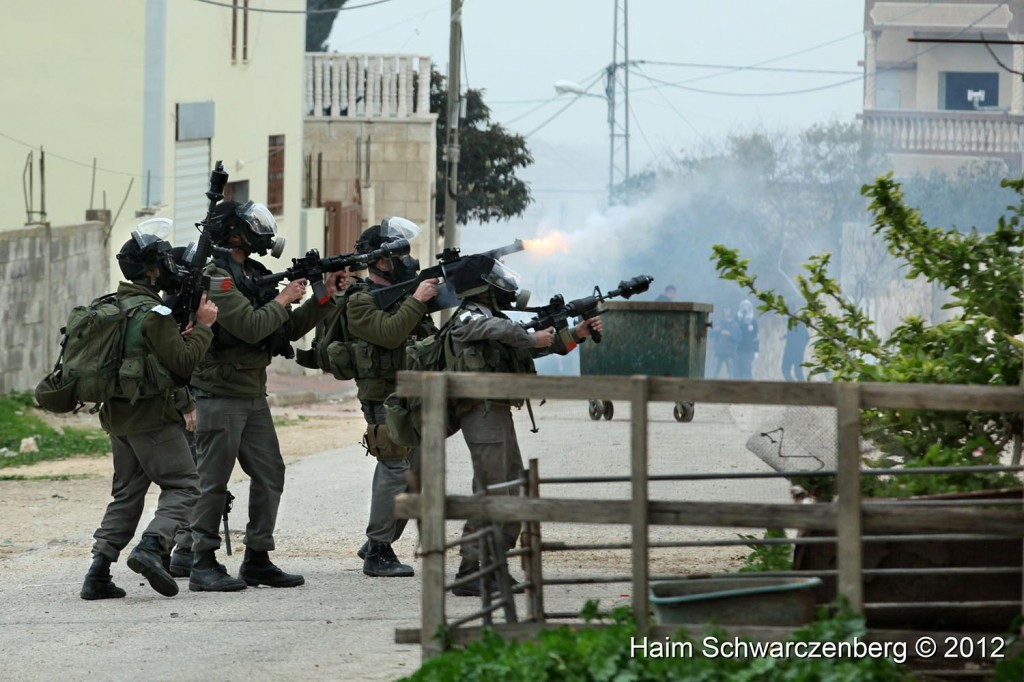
(94, 365)
(404, 418)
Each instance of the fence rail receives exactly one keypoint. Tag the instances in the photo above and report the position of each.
(849, 518)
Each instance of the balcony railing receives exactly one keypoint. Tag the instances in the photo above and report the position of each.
(949, 132)
(371, 86)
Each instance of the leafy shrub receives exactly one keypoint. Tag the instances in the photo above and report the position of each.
(17, 422)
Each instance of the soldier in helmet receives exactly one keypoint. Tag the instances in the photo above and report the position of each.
(484, 339)
(146, 437)
(255, 323)
(379, 340)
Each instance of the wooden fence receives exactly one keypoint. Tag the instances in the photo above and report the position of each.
(847, 516)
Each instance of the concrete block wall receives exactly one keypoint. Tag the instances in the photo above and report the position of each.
(402, 167)
(44, 272)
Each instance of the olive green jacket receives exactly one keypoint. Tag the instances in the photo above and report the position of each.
(177, 354)
(240, 371)
(384, 334)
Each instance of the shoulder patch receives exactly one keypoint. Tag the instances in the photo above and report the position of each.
(160, 310)
(222, 283)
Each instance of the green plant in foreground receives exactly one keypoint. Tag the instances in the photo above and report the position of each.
(607, 653)
(17, 422)
(768, 557)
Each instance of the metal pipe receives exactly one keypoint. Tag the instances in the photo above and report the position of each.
(477, 614)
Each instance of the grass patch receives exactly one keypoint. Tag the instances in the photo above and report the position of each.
(44, 477)
(290, 421)
(17, 421)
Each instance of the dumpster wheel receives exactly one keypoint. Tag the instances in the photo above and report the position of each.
(609, 410)
(683, 412)
(595, 409)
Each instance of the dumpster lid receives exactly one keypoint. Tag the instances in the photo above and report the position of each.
(660, 306)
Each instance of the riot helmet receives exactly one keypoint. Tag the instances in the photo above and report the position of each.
(403, 268)
(479, 275)
(252, 222)
(149, 250)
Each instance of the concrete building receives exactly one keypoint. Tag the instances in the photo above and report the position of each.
(132, 102)
(370, 144)
(941, 104)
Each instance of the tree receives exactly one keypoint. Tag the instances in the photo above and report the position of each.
(489, 156)
(319, 23)
(979, 345)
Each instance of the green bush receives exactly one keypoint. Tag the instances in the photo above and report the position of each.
(603, 654)
(18, 422)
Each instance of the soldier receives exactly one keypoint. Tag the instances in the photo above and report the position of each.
(379, 340)
(486, 340)
(255, 324)
(146, 437)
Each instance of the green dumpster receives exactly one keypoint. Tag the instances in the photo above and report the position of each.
(664, 339)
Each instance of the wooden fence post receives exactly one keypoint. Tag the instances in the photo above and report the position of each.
(639, 511)
(432, 456)
(536, 571)
(848, 506)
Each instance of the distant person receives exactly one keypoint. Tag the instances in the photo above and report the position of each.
(669, 295)
(748, 343)
(725, 334)
(793, 352)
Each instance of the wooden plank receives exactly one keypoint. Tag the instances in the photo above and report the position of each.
(670, 389)
(848, 512)
(535, 574)
(435, 410)
(879, 519)
(639, 501)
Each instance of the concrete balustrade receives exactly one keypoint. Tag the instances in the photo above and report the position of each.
(369, 86)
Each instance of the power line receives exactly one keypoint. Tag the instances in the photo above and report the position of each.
(642, 73)
(752, 94)
(778, 69)
(294, 11)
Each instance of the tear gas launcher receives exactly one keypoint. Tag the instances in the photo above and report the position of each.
(557, 313)
(194, 283)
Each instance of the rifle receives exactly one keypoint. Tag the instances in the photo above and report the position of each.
(313, 267)
(386, 297)
(557, 313)
(228, 501)
(194, 283)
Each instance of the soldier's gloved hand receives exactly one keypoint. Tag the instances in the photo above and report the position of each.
(207, 312)
(187, 331)
(426, 290)
(336, 281)
(584, 327)
(292, 293)
(543, 338)
(190, 419)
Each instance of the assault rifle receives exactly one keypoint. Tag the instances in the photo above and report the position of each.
(446, 260)
(194, 283)
(557, 313)
(313, 267)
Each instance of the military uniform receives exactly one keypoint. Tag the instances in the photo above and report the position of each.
(487, 341)
(234, 421)
(146, 438)
(379, 341)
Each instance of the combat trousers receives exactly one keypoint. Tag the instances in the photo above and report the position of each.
(241, 429)
(491, 437)
(389, 480)
(183, 536)
(160, 456)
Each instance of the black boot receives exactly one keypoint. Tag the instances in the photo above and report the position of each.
(381, 562)
(145, 559)
(181, 562)
(472, 588)
(98, 584)
(258, 569)
(207, 575)
(361, 552)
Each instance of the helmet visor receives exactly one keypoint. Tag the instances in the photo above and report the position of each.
(398, 228)
(259, 218)
(151, 231)
(502, 277)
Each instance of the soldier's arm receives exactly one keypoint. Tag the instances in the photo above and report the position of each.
(302, 319)
(388, 330)
(237, 315)
(179, 355)
(474, 326)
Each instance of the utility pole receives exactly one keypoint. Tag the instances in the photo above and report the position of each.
(451, 234)
(618, 126)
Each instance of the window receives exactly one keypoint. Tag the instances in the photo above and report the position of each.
(235, 6)
(967, 91)
(887, 89)
(275, 175)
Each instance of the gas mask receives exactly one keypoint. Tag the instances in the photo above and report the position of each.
(403, 269)
(261, 237)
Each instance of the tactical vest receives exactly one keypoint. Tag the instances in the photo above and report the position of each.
(491, 356)
(141, 375)
(278, 342)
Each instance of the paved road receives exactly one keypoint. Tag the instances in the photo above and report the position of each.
(340, 625)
